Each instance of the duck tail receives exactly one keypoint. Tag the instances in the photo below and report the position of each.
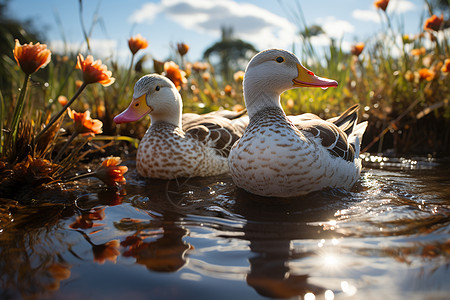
(356, 135)
(347, 120)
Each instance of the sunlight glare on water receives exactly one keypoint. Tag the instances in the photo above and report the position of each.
(204, 239)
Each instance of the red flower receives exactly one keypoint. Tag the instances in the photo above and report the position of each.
(137, 43)
(31, 57)
(110, 173)
(433, 23)
(381, 4)
(357, 49)
(173, 72)
(84, 124)
(94, 71)
(182, 48)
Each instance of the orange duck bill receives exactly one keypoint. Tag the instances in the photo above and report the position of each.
(137, 109)
(306, 78)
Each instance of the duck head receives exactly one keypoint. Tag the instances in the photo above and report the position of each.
(271, 72)
(155, 95)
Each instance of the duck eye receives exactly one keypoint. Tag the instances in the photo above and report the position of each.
(279, 59)
(157, 88)
(137, 104)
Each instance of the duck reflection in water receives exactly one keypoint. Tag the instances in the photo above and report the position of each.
(271, 229)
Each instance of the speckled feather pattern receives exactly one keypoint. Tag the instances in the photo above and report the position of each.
(274, 158)
(166, 152)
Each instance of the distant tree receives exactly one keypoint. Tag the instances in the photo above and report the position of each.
(313, 30)
(233, 54)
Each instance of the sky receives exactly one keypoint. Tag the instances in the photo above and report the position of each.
(164, 23)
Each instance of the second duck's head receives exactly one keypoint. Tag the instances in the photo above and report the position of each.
(155, 95)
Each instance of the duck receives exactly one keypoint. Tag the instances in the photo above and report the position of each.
(178, 145)
(289, 156)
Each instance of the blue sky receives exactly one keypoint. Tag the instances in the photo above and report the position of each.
(264, 23)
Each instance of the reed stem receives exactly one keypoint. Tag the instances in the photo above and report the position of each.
(55, 118)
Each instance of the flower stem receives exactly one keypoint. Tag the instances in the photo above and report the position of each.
(124, 85)
(63, 149)
(81, 176)
(55, 118)
(18, 109)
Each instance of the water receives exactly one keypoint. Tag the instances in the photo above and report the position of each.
(204, 239)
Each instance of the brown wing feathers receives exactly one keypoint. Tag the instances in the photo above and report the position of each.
(333, 132)
(213, 128)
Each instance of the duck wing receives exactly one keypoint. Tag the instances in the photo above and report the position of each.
(331, 137)
(340, 135)
(215, 130)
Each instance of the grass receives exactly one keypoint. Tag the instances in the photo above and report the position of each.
(402, 83)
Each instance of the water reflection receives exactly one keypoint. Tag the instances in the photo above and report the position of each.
(391, 230)
(158, 243)
(271, 227)
(31, 260)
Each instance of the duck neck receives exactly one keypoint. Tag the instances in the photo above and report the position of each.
(174, 119)
(169, 112)
(257, 100)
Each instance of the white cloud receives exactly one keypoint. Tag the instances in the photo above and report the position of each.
(394, 7)
(335, 28)
(400, 6)
(101, 49)
(366, 15)
(146, 13)
(250, 22)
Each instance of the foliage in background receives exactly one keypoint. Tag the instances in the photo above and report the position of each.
(402, 83)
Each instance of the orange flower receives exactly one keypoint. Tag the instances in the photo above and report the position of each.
(200, 66)
(228, 89)
(31, 57)
(173, 72)
(78, 83)
(357, 49)
(419, 51)
(107, 251)
(86, 221)
(433, 23)
(62, 100)
(238, 107)
(137, 43)
(94, 71)
(182, 48)
(410, 76)
(58, 272)
(206, 76)
(84, 124)
(239, 76)
(381, 4)
(110, 173)
(426, 74)
(446, 67)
